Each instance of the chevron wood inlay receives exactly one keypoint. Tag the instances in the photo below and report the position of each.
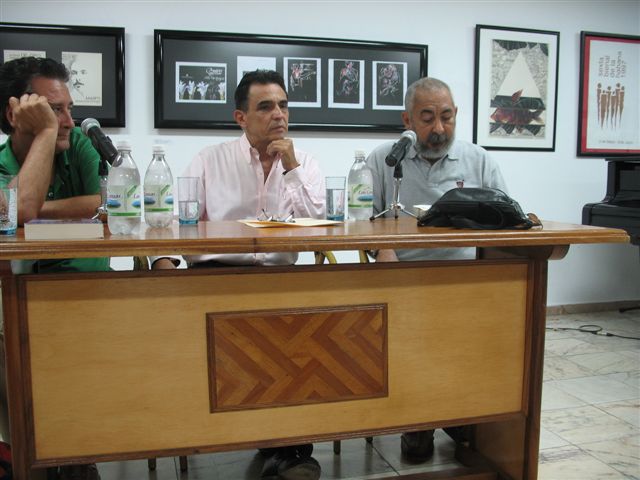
(272, 358)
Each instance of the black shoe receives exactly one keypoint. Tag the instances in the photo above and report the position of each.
(287, 464)
(458, 434)
(417, 446)
(305, 450)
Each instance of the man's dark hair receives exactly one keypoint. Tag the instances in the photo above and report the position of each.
(262, 77)
(16, 76)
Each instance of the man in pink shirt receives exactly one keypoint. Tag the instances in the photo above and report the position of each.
(259, 174)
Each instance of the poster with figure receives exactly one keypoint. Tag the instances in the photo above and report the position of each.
(346, 83)
(9, 55)
(389, 85)
(303, 81)
(201, 82)
(610, 95)
(85, 77)
(250, 64)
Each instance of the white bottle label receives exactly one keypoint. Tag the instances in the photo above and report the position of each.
(158, 198)
(360, 195)
(123, 200)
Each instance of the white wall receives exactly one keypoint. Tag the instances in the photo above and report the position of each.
(555, 185)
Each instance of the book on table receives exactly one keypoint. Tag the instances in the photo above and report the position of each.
(63, 229)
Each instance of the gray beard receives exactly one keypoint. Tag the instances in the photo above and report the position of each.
(435, 153)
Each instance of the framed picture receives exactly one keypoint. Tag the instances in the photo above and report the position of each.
(609, 105)
(94, 57)
(516, 88)
(331, 84)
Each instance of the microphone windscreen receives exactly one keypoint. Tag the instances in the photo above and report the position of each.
(88, 123)
(411, 135)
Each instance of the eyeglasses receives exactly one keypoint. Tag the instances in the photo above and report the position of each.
(265, 217)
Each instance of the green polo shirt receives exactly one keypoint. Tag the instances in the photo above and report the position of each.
(76, 174)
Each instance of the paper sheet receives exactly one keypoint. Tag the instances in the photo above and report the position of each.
(299, 222)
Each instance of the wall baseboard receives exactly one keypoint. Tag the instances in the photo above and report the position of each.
(591, 307)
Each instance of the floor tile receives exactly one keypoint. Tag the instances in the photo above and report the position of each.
(596, 389)
(559, 367)
(571, 463)
(585, 424)
(604, 363)
(629, 411)
(622, 454)
(630, 378)
(554, 398)
(571, 346)
(551, 440)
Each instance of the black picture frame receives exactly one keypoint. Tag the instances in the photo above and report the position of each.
(516, 88)
(97, 85)
(183, 58)
(608, 106)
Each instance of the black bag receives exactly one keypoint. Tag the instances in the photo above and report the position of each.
(478, 208)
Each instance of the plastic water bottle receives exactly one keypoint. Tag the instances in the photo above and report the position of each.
(360, 189)
(158, 191)
(123, 193)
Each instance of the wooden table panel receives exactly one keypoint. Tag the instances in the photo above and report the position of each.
(104, 362)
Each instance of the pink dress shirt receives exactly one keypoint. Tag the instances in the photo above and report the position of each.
(232, 187)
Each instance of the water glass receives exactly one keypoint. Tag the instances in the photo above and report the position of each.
(335, 198)
(8, 204)
(188, 208)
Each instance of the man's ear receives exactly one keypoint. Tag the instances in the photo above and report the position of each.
(406, 120)
(8, 114)
(240, 117)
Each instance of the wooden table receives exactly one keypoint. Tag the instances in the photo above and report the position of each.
(123, 365)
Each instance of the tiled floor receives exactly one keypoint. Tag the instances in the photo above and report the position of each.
(590, 420)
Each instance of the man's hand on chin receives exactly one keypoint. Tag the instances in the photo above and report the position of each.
(284, 148)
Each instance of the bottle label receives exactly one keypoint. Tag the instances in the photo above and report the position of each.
(158, 198)
(360, 195)
(123, 200)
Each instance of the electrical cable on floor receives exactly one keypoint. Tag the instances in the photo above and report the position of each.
(594, 330)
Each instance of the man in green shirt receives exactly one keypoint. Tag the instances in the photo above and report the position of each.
(57, 167)
(56, 164)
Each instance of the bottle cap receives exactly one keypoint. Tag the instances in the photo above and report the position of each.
(123, 145)
(360, 153)
(158, 149)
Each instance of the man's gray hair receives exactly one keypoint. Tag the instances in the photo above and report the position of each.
(428, 84)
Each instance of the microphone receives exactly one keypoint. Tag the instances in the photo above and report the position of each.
(400, 148)
(91, 128)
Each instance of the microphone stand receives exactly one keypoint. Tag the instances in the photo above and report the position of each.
(103, 173)
(395, 205)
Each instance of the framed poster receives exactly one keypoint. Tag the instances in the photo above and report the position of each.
(516, 88)
(331, 84)
(609, 104)
(94, 57)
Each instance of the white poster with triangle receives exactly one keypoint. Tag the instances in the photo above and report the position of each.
(515, 88)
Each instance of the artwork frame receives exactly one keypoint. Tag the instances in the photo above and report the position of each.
(605, 127)
(95, 55)
(307, 61)
(516, 88)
